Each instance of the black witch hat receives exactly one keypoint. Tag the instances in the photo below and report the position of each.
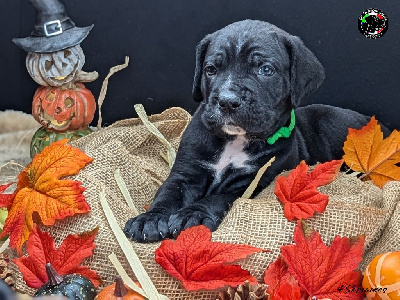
(54, 30)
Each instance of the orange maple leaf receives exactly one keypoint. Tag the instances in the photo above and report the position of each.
(366, 151)
(39, 189)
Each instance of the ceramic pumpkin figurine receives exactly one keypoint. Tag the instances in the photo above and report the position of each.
(75, 287)
(383, 275)
(118, 291)
(55, 68)
(62, 110)
(43, 137)
(55, 60)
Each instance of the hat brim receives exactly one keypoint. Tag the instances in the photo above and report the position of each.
(67, 39)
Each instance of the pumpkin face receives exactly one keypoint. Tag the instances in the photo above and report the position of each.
(56, 68)
(63, 109)
(383, 276)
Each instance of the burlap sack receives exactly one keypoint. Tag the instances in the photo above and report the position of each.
(354, 207)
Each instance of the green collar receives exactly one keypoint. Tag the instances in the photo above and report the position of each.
(283, 131)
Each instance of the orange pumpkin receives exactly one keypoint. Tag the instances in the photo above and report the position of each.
(382, 275)
(63, 109)
(118, 290)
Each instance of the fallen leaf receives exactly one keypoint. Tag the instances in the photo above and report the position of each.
(276, 273)
(321, 270)
(288, 290)
(281, 285)
(39, 189)
(298, 192)
(366, 151)
(202, 264)
(5, 199)
(65, 259)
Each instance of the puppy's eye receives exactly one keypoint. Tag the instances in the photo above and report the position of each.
(266, 71)
(210, 70)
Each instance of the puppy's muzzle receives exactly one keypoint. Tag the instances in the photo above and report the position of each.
(228, 101)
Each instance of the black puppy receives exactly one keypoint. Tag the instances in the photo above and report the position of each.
(250, 78)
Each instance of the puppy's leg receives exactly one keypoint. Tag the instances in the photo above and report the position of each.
(185, 184)
(211, 209)
(208, 211)
(153, 225)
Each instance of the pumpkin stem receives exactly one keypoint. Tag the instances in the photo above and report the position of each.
(120, 289)
(54, 278)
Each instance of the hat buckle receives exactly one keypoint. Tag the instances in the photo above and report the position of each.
(58, 28)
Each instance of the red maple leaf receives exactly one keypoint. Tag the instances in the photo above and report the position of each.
(65, 259)
(298, 192)
(202, 264)
(288, 290)
(321, 270)
(275, 274)
(5, 199)
(282, 285)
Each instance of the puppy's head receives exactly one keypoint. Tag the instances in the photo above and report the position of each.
(250, 75)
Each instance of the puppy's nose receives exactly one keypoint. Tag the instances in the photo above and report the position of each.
(228, 102)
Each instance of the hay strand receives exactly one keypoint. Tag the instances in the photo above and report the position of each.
(129, 252)
(171, 154)
(124, 190)
(104, 87)
(250, 190)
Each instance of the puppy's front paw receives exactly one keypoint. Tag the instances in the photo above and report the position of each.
(147, 227)
(189, 217)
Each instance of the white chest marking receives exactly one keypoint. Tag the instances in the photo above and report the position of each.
(232, 154)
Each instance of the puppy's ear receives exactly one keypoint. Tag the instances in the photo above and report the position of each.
(201, 51)
(306, 72)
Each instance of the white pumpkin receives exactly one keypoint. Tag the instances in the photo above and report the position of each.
(55, 68)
